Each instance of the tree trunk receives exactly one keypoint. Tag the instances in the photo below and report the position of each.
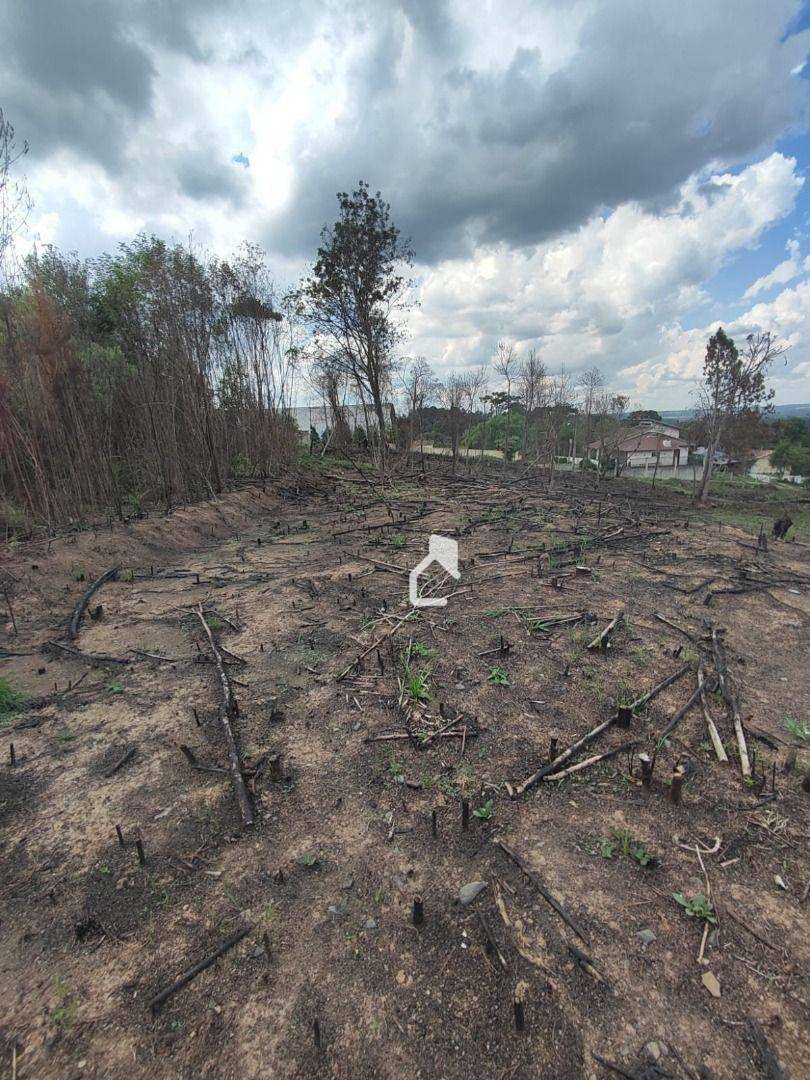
(706, 478)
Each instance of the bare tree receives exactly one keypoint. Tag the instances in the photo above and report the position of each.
(475, 383)
(14, 200)
(452, 395)
(733, 386)
(533, 389)
(506, 364)
(591, 382)
(557, 410)
(418, 385)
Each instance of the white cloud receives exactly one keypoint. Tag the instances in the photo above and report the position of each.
(782, 273)
(619, 287)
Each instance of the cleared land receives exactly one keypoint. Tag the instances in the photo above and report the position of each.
(333, 978)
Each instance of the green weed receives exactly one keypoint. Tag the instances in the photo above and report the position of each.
(499, 676)
(795, 727)
(11, 699)
(698, 906)
(484, 813)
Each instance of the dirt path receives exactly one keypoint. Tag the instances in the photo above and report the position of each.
(334, 979)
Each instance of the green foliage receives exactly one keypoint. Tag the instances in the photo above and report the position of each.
(309, 860)
(416, 648)
(792, 457)
(499, 676)
(214, 623)
(395, 770)
(698, 906)
(11, 699)
(415, 687)
(114, 686)
(798, 728)
(621, 842)
(484, 813)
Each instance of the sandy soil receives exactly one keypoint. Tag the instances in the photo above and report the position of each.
(333, 978)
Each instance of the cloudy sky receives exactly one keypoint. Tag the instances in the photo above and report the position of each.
(605, 180)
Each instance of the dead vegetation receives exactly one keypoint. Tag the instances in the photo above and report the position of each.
(553, 828)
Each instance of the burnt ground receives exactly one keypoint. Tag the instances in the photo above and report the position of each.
(299, 580)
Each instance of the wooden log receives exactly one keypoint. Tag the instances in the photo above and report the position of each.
(680, 714)
(160, 999)
(586, 764)
(714, 735)
(773, 1070)
(548, 896)
(96, 659)
(227, 709)
(78, 611)
(125, 757)
(731, 699)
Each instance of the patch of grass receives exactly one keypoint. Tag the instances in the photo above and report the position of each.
(214, 623)
(621, 842)
(309, 860)
(395, 770)
(499, 676)
(415, 687)
(114, 686)
(396, 541)
(11, 699)
(797, 728)
(416, 648)
(698, 906)
(64, 1012)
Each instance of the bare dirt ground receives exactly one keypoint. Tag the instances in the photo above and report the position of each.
(333, 978)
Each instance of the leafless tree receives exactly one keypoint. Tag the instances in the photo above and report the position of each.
(452, 395)
(506, 364)
(591, 383)
(533, 390)
(418, 385)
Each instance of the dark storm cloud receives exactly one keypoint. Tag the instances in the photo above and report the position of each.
(203, 176)
(79, 74)
(518, 153)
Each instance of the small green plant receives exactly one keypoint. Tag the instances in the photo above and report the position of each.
(415, 687)
(309, 860)
(63, 1013)
(795, 727)
(698, 907)
(484, 813)
(416, 648)
(114, 686)
(395, 770)
(214, 623)
(621, 842)
(397, 540)
(499, 676)
(11, 699)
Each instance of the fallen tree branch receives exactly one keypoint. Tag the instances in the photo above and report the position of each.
(160, 999)
(602, 641)
(731, 698)
(553, 766)
(227, 709)
(78, 611)
(97, 659)
(549, 897)
(714, 735)
(586, 764)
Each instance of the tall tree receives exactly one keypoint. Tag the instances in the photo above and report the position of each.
(506, 364)
(353, 294)
(733, 386)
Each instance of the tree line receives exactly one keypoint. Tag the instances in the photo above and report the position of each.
(159, 373)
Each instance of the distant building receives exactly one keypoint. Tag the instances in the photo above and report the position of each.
(761, 469)
(642, 446)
